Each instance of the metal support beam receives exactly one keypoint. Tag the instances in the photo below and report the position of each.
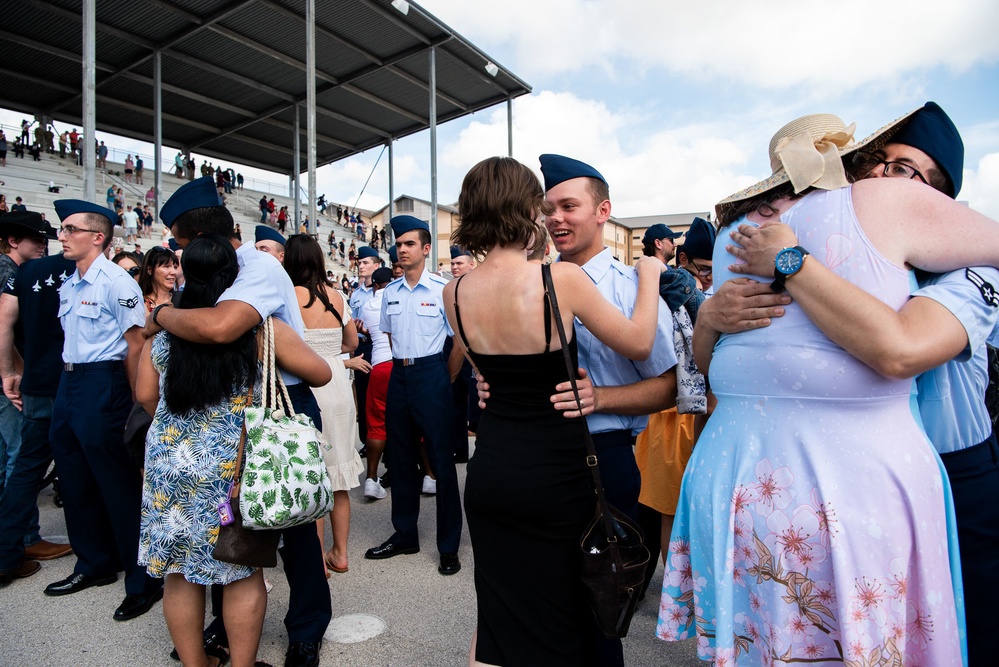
(157, 132)
(295, 186)
(310, 107)
(86, 144)
(433, 159)
(509, 127)
(391, 206)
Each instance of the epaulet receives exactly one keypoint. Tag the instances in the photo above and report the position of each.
(440, 279)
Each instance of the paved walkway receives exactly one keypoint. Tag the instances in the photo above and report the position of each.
(428, 619)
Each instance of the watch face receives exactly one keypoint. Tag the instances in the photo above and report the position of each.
(788, 261)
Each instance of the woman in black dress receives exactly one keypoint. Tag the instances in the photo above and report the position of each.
(529, 494)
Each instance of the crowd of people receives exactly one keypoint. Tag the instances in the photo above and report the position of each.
(757, 423)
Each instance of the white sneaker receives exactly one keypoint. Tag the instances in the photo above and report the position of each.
(429, 485)
(374, 490)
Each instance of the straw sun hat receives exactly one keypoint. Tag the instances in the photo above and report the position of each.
(808, 152)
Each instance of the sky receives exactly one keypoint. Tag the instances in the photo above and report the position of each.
(675, 103)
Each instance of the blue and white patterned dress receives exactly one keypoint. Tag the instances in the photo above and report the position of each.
(190, 464)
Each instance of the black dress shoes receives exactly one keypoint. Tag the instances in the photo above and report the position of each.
(449, 564)
(388, 550)
(134, 606)
(303, 654)
(75, 583)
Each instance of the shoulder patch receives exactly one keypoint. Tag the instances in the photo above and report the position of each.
(129, 303)
(986, 288)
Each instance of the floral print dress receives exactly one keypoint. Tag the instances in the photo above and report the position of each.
(190, 465)
(814, 523)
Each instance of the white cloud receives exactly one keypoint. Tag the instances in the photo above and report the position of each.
(774, 44)
(981, 186)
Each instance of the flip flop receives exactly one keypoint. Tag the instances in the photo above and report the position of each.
(331, 567)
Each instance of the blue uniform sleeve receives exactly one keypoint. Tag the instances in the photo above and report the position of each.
(254, 285)
(386, 322)
(125, 302)
(970, 295)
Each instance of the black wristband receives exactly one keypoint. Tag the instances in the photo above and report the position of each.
(156, 311)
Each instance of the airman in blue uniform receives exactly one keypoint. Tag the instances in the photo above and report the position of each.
(102, 313)
(367, 261)
(419, 399)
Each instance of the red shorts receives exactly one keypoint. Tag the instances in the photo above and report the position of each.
(374, 406)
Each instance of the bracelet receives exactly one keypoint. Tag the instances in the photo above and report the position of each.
(156, 311)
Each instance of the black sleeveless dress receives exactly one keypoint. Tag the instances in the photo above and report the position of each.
(528, 497)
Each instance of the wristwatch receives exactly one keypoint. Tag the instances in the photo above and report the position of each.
(787, 263)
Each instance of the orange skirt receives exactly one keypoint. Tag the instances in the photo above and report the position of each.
(662, 451)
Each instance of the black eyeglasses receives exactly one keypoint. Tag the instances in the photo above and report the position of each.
(868, 162)
(134, 271)
(69, 230)
(704, 273)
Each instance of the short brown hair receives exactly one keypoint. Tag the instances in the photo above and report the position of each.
(100, 223)
(599, 189)
(499, 203)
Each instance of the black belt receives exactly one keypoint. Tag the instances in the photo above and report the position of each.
(95, 366)
(419, 361)
(970, 458)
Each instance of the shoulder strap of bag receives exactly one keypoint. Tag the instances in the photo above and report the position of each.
(234, 489)
(276, 393)
(591, 458)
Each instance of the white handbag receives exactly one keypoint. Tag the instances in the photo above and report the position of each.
(284, 481)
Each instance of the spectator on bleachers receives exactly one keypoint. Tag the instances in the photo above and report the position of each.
(63, 143)
(151, 195)
(3, 204)
(74, 138)
(102, 155)
(3, 149)
(138, 169)
(18, 206)
(239, 181)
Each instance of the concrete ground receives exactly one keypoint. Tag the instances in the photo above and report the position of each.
(424, 619)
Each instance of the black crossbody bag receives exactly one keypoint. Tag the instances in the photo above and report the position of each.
(614, 556)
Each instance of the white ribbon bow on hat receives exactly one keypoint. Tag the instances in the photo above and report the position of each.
(815, 162)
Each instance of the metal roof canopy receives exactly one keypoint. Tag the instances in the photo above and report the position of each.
(233, 73)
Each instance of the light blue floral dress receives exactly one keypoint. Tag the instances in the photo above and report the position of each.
(190, 464)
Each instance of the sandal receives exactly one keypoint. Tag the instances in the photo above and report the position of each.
(219, 654)
(331, 567)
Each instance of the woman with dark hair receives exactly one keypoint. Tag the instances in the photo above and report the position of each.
(196, 394)
(158, 276)
(529, 490)
(330, 331)
(130, 262)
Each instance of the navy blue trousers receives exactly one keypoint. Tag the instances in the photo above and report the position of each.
(101, 489)
(419, 402)
(974, 479)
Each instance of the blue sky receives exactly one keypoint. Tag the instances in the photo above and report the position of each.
(676, 104)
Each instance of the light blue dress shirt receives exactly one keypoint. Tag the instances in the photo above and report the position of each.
(415, 316)
(358, 298)
(618, 283)
(96, 310)
(951, 396)
(264, 284)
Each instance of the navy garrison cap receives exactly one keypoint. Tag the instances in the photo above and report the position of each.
(558, 168)
(67, 207)
(199, 193)
(381, 276)
(367, 251)
(700, 240)
(265, 233)
(932, 131)
(173, 245)
(457, 251)
(393, 255)
(407, 223)
(660, 231)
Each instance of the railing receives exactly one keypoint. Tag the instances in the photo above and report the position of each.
(118, 156)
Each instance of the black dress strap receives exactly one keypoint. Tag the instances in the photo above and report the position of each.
(548, 308)
(457, 315)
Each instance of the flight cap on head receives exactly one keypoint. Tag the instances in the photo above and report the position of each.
(558, 169)
(67, 207)
(393, 255)
(265, 233)
(367, 251)
(932, 131)
(199, 193)
(660, 231)
(381, 276)
(457, 251)
(173, 245)
(700, 240)
(407, 223)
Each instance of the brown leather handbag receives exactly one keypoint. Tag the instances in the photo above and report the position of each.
(613, 551)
